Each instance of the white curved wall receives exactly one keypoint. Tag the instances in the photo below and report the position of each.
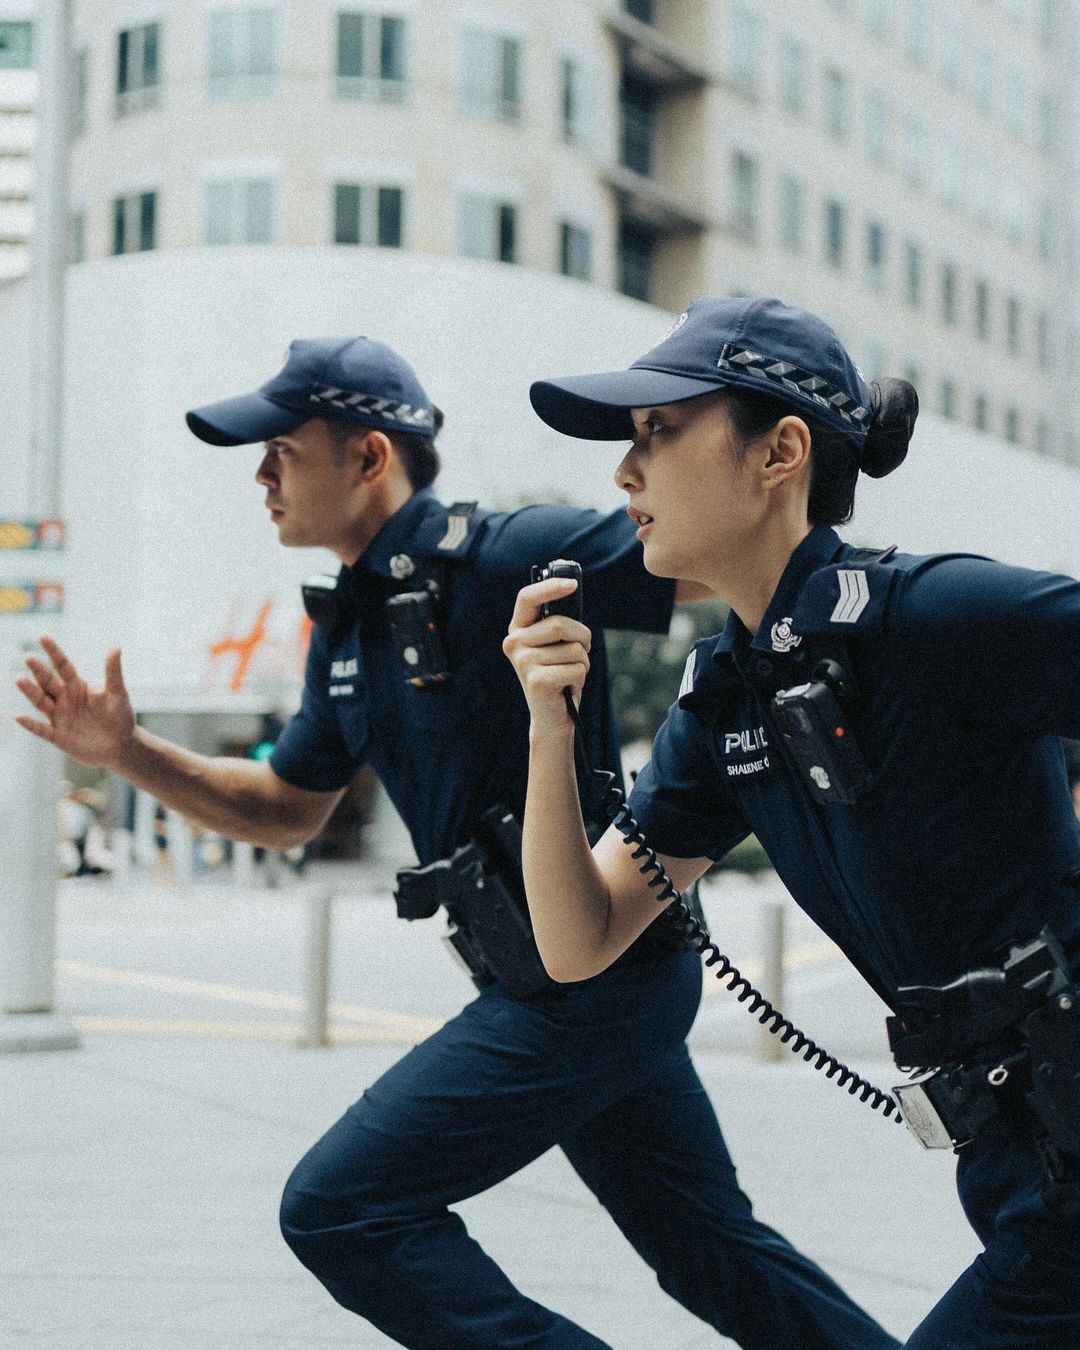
(168, 534)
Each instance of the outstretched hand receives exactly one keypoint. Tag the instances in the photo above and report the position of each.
(93, 726)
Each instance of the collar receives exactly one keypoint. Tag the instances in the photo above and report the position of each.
(397, 536)
(775, 636)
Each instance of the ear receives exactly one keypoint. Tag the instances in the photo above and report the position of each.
(373, 453)
(788, 451)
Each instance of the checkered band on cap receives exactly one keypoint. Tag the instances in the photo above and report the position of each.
(795, 380)
(369, 404)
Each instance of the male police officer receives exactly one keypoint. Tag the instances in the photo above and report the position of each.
(406, 671)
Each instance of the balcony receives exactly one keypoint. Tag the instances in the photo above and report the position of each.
(645, 203)
(653, 58)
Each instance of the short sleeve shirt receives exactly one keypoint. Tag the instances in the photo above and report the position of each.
(967, 673)
(446, 754)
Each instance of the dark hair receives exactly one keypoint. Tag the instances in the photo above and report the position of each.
(835, 457)
(417, 452)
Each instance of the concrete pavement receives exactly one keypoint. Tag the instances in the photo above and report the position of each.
(142, 1172)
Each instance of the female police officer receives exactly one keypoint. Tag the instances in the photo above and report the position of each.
(936, 844)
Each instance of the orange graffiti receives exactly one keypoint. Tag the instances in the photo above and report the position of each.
(243, 647)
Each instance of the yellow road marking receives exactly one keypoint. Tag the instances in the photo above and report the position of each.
(196, 1028)
(397, 1027)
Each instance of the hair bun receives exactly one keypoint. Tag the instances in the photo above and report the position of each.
(894, 406)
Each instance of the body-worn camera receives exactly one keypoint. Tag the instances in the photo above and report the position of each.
(818, 735)
(570, 605)
(415, 634)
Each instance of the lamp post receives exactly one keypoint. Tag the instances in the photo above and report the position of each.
(30, 787)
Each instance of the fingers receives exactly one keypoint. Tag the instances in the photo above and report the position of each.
(530, 598)
(114, 675)
(41, 729)
(60, 659)
(42, 701)
(45, 677)
(568, 654)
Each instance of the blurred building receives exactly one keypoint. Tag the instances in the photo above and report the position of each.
(904, 167)
(18, 94)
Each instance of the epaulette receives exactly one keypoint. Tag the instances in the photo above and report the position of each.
(450, 535)
(847, 597)
(706, 684)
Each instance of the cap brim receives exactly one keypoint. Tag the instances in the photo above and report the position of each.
(243, 420)
(597, 407)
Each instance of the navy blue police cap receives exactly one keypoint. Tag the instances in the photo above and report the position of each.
(758, 344)
(356, 379)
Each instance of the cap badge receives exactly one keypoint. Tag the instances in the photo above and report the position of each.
(401, 566)
(783, 639)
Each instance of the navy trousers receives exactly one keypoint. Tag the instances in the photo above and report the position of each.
(601, 1069)
(1023, 1291)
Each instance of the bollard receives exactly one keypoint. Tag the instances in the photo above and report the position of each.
(769, 1047)
(243, 868)
(320, 902)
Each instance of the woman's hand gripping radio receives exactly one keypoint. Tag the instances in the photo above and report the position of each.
(548, 644)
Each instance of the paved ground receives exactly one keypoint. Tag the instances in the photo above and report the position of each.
(141, 1173)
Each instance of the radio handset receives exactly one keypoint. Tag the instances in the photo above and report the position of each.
(689, 927)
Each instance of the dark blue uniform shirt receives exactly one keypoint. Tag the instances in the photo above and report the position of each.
(445, 754)
(967, 672)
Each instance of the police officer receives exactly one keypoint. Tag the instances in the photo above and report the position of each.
(406, 672)
(916, 807)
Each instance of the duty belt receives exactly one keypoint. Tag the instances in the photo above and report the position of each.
(997, 1043)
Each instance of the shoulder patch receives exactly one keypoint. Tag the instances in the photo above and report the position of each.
(688, 673)
(450, 535)
(844, 599)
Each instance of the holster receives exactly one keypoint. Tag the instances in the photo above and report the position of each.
(481, 888)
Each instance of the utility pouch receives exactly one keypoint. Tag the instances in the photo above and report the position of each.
(421, 890)
(415, 633)
(1052, 1033)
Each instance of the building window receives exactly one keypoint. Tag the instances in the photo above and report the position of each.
(877, 17)
(981, 308)
(16, 46)
(1042, 340)
(876, 126)
(875, 254)
(950, 293)
(793, 77)
(487, 228)
(490, 74)
(637, 125)
(835, 229)
(575, 251)
(242, 61)
(744, 46)
(635, 261)
(138, 58)
(947, 406)
(239, 211)
(913, 155)
(1012, 324)
(980, 412)
(836, 104)
(913, 33)
(645, 10)
(80, 91)
(792, 212)
(573, 103)
(368, 214)
(371, 57)
(913, 273)
(1012, 424)
(134, 222)
(744, 194)
(77, 237)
